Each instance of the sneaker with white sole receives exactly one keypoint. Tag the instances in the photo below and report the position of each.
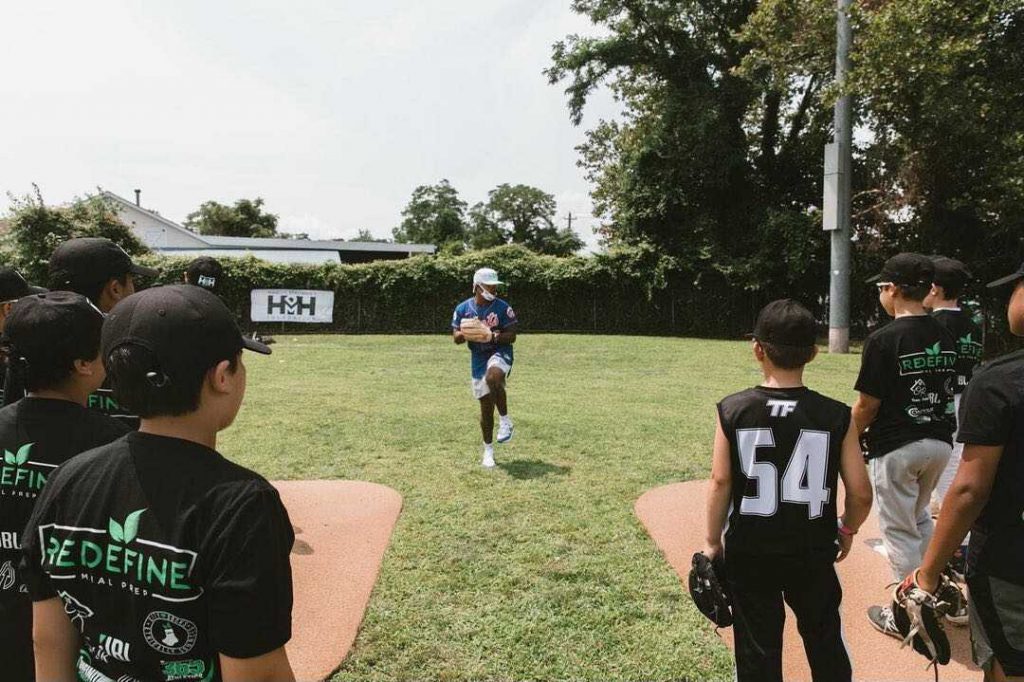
(488, 461)
(952, 594)
(505, 430)
(882, 620)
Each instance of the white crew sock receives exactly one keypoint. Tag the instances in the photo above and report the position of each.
(488, 448)
(505, 419)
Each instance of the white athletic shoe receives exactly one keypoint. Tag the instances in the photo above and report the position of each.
(505, 430)
(488, 461)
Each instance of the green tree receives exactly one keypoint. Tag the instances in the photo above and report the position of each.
(365, 235)
(245, 219)
(37, 229)
(434, 215)
(706, 163)
(938, 86)
(520, 214)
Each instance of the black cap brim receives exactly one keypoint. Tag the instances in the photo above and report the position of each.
(255, 346)
(143, 271)
(873, 278)
(33, 290)
(1006, 280)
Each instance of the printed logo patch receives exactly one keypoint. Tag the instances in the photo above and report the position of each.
(111, 648)
(76, 610)
(185, 670)
(7, 576)
(969, 348)
(781, 408)
(933, 359)
(20, 477)
(169, 634)
(117, 557)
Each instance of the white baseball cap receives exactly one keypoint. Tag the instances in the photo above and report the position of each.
(486, 276)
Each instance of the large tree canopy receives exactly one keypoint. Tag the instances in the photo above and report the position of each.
(712, 165)
(727, 105)
(245, 219)
(520, 214)
(37, 229)
(434, 215)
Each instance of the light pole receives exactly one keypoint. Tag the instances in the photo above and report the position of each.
(836, 218)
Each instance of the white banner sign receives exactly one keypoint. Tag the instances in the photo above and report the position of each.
(292, 305)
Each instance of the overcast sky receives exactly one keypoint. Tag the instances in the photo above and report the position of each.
(332, 111)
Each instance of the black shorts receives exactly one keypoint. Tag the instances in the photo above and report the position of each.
(997, 623)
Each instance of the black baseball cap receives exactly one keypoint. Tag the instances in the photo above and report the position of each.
(205, 272)
(786, 322)
(908, 269)
(41, 327)
(185, 327)
(13, 286)
(950, 273)
(85, 261)
(1014, 277)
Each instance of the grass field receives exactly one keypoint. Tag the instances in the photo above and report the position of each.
(535, 570)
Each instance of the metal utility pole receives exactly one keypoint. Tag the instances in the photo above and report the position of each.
(569, 218)
(836, 217)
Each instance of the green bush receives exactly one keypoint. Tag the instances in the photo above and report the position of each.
(628, 291)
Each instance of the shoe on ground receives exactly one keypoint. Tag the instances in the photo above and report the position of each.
(488, 460)
(505, 431)
(882, 620)
(957, 613)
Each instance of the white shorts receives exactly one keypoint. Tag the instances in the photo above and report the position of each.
(480, 387)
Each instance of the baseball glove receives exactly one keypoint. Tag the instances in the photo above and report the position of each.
(707, 589)
(918, 616)
(475, 330)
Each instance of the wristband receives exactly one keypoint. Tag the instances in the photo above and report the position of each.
(843, 530)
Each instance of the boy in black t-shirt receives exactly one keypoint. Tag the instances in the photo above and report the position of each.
(779, 450)
(154, 557)
(56, 336)
(943, 301)
(986, 499)
(100, 270)
(12, 287)
(908, 369)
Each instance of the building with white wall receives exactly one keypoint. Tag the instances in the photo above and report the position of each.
(167, 237)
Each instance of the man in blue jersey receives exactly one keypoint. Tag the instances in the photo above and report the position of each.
(488, 324)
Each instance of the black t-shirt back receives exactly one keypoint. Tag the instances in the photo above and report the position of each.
(910, 365)
(165, 554)
(36, 435)
(785, 447)
(967, 336)
(992, 413)
(101, 401)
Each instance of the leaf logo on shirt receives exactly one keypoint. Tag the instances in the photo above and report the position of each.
(966, 339)
(127, 532)
(20, 457)
(934, 350)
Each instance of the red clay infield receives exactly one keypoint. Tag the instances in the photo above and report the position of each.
(342, 529)
(674, 517)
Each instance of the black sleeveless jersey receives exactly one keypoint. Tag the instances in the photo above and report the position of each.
(785, 445)
(992, 413)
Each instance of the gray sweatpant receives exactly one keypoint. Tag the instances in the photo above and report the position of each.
(903, 481)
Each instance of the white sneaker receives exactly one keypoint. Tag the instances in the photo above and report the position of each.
(488, 461)
(505, 430)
